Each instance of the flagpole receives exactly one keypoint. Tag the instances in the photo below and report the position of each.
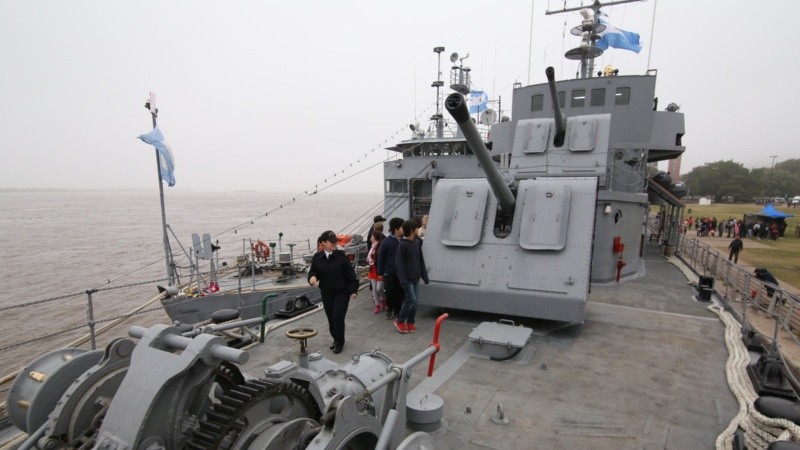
(151, 105)
(530, 46)
(652, 32)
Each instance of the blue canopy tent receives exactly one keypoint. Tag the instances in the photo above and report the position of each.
(771, 212)
(766, 217)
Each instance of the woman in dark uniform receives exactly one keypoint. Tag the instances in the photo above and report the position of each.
(333, 272)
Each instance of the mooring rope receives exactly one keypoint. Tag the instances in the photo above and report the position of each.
(760, 430)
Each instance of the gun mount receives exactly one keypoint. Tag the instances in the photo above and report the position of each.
(558, 115)
(457, 107)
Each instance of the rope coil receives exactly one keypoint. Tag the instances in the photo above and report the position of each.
(760, 430)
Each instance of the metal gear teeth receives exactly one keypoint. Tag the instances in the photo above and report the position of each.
(222, 417)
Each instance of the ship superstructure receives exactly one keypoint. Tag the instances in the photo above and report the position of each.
(569, 200)
(441, 148)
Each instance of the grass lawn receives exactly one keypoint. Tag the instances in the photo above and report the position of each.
(782, 258)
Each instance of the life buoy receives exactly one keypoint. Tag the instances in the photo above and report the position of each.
(261, 250)
(343, 239)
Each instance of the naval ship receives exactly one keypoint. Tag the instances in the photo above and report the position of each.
(527, 342)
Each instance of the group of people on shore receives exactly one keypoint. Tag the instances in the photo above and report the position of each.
(396, 265)
(710, 226)
(760, 229)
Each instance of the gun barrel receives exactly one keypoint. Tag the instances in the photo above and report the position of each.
(561, 124)
(457, 107)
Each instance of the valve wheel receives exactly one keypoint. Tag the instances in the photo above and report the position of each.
(301, 333)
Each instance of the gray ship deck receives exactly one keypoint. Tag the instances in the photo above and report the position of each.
(646, 370)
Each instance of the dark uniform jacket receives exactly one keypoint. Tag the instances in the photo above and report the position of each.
(335, 274)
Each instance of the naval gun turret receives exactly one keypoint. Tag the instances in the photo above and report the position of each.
(457, 107)
(510, 242)
(501, 185)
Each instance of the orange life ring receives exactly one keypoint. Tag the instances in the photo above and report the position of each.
(261, 250)
(343, 239)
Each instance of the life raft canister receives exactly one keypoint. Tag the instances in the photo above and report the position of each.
(261, 250)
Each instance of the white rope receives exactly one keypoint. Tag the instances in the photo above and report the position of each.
(14, 442)
(760, 430)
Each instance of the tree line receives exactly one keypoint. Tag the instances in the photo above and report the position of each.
(731, 179)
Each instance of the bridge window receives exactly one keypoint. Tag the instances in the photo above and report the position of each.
(397, 186)
(537, 102)
(578, 98)
(598, 97)
(561, 96)
(622, 96)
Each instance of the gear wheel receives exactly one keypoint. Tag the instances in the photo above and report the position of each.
(228, 376)
(249, 409)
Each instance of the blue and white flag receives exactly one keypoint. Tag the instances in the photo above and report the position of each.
(156, 139)
(477, 101)
(614, 37)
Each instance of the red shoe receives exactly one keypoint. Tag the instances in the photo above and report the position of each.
(401, 326)
(384, 306)
(377, 309)
(411, 328)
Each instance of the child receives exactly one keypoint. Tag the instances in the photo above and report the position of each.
(378, 297)
(410, 268)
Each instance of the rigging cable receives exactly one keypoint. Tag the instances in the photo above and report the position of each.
(295, 199)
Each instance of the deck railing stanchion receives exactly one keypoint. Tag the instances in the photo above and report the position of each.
(789, 312)
(90, 316)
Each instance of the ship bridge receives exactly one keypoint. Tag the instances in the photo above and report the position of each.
(630, 100)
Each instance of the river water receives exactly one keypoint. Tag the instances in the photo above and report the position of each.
(59, 243)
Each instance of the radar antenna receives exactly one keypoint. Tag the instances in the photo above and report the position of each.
(589, 30)
(460, 79)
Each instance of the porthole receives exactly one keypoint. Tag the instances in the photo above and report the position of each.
(617, 216)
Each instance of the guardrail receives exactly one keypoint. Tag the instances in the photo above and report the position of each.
(735, 283)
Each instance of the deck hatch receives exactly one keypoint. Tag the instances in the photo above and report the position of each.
(499, 340)
(545, 216)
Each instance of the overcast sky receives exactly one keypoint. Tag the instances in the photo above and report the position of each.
(277, 96)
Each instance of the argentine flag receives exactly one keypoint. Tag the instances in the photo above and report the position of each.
(156, 139)
(477, 101)
(614, 37)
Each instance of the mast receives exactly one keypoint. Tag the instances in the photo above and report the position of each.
(438, 118)
(589, 30)
(151, 106)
